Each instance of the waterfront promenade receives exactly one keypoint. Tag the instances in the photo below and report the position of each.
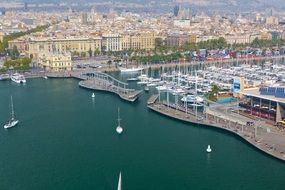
(268, 140)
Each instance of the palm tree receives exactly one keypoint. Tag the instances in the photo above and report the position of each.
(109, 63)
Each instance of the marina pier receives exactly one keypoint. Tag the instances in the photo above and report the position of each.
(268, 141)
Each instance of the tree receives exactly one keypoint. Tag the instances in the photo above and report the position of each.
(109, 63)
(96, 52)
(14, 36)
(90, 52)
(83, 54)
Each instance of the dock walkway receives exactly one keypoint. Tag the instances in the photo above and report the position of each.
(152, 99)
(271, 143)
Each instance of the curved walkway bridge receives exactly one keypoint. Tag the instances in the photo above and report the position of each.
(104, 82)
(100, 81)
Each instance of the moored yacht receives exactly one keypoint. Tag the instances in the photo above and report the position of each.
(18, 78)
(192, 99)
(131, 70)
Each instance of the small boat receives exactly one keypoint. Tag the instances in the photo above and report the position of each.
(192, 99)
(17, 78)
(151, 84)
(119, 129)
(120, 182)
(12, 122)
(142, 77)
(196, 105)
(45, 77)
(143, 82)
(132, 79)
(93, 95)
(131, 70)
(161, 88)
(146, 88)
(209, 149)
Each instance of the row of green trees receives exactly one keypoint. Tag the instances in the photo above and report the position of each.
(156, 58)
(218, 44)
(21, 63)
(10, 37)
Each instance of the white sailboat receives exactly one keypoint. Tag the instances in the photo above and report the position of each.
(209, 149)
(119, 129)
(120, 182)
(12, 122)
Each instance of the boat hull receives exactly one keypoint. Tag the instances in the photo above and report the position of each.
(132, 70)
(11, 124)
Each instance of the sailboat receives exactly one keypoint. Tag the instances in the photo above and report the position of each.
(12, 122)
(119, 129)
(209, 149)
(120, 182)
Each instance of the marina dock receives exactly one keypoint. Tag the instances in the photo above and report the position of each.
(152, 99)
(271, 143)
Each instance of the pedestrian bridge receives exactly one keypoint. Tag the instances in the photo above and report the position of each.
(104, 82)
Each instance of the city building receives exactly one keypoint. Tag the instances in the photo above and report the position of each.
(84, 18)
(176, 40)
(76, 45)
(272, 20)
(139, 41)
(182, 23)
(111, 42)
(265, 102)
(55, 61)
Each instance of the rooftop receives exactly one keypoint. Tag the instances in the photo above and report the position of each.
(256, 93)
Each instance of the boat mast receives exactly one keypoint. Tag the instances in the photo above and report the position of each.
(120, 182)
(12, 108)
(119, 120)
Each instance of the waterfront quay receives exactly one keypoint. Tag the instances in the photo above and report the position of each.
(263, 137)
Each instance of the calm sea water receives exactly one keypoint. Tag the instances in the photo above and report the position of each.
(67, 141)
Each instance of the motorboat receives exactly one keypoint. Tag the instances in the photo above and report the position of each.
(133, 79)
(93, 95)
(192, 99)
(142, 77)
(161, 88)
(18, 78)
(151, 84)
(131, 70)
(146, 88)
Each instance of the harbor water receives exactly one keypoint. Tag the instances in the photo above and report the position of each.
(67, 140)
